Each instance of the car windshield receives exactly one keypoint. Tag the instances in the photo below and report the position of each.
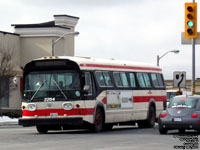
(183, 102)
(55, 85)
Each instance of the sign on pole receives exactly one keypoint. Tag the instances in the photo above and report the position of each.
(179, 78)
(188, 41)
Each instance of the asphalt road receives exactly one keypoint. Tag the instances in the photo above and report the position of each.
(120, 138)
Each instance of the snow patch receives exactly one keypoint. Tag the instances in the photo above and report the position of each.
(8, 119)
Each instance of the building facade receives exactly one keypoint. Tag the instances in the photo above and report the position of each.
(31, 41)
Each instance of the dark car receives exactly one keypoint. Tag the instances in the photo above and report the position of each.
(183, 112)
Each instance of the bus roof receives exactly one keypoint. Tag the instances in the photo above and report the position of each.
(87, 63)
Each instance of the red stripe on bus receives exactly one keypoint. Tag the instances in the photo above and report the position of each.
(60, 112)
(142, 99)
(119, 67)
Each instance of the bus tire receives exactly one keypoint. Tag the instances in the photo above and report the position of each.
(150, 122)
(108, 127)
(42, 129)
(151, 117)
(98, 121)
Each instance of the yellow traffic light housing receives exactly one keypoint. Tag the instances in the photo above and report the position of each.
(179, 93)
(191, 20)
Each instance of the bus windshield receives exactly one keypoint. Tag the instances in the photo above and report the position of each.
(52, 85)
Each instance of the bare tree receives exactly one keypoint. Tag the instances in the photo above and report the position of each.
(6, 71)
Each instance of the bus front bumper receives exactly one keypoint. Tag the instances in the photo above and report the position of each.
(50, 121)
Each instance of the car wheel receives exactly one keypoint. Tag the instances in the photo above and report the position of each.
(98, 121)
(162, 130)
(181, 130)
(42, 129)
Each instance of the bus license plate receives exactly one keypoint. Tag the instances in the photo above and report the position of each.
(54, 114)
(177, 119)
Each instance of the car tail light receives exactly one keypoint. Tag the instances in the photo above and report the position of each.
(163, 115)
(194, 115)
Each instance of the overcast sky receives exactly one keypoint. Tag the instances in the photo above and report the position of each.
(137, 30)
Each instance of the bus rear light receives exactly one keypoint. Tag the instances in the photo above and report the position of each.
(163, 115)
(77, 105)
(194, 115)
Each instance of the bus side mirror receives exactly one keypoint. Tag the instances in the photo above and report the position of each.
(86, 89)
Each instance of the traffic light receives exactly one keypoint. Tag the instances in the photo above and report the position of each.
(191, 20)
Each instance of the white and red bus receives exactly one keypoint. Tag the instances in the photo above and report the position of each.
(69, 92)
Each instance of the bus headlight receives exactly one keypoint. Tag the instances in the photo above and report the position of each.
(67, 106)
(31, 107)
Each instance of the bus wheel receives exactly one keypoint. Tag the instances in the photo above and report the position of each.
(108, 127)
(42, 129)
(151, 118)
(150, 122)
(98, 122)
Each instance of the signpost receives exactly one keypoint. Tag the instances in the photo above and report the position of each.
(179, 78)
(188, 41)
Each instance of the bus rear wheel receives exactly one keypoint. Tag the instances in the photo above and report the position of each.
(152, 117)
(150, 122)
(42, 129)
(108, 127)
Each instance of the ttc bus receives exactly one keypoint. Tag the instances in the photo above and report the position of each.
(61, 93)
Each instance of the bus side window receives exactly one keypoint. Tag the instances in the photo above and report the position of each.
(140, 80)
(160, 80)
(132, 79)
(117, 79)
(154, 80)
(120, 79)
(88, 82)
(107, 79)
(100, 78)
(147, 80)
(124, 79)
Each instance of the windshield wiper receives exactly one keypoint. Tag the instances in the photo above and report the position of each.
(38, 90)
(60, 89)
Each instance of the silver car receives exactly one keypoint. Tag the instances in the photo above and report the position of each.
(183, 112)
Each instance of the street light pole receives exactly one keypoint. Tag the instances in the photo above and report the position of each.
(55, 41)
(159, 57)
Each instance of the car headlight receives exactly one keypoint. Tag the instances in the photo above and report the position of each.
(31, 107)
(67, 106)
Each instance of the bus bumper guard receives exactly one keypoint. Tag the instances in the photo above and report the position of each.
(50, 121)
